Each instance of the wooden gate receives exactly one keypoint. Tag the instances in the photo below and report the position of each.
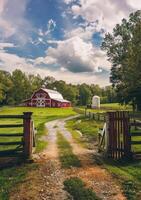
(118, 135)
(19, 143)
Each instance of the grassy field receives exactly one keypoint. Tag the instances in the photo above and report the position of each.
(9, 178)
(108, 107)
(116, 106)
(40, 116)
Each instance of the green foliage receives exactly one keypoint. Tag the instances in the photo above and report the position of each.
(123, 48)
(85, 94)
(76, 188)
(5, 86)
(66, 156)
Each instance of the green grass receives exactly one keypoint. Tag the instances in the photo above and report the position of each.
(66, 156)
(40, 117)
(88, 128)
(78, 191)
(9, 178)
(129, 173)
(75, 134)
(109, 107)
(116, 106)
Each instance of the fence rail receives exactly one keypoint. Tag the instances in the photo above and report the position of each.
(95, 116)
(91, 115)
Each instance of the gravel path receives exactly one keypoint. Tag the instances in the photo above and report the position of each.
(48, 185)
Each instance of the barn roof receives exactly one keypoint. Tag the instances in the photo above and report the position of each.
(55, 95)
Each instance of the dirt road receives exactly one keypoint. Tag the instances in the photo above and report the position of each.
(46, 183)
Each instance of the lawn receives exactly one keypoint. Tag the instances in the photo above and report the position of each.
(108, 107)
(116, 106)
(40, 117)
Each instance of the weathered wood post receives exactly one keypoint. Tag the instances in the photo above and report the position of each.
(28, 137)
(107, 137)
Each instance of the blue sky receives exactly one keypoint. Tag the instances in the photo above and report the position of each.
(60, 38)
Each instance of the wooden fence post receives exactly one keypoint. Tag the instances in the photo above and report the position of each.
(107, 148)
(28, 137)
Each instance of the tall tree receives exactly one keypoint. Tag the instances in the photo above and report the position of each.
(5, 87)
(123, 48)
(21, 84)
(85, 94)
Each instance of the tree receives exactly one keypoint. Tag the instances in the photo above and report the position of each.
(85, 94)
(5, 86)
(21, 86)
(123, 48)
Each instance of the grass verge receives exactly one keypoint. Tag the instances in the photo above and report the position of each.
(88, 128)
(128, 174)
(66, 156)
(78, 191)
(9, 178)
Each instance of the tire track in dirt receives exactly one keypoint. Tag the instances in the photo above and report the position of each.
(93, 175)
(46, 182)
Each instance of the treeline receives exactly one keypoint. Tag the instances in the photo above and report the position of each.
(18, 86)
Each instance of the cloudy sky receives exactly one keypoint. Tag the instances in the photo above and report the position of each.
(60, 38)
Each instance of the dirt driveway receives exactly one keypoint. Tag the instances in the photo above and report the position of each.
(46, 182)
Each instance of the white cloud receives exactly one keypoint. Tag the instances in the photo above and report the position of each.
(10, 62)
(6, 45)
(107, 12)
(68, 1)
(76, 55)
(134, 3)
(85, 31)
(12, 20)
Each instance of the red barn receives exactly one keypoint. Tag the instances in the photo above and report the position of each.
(46, 98)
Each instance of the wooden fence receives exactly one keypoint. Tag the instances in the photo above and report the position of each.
(95, 116)
(91, 115)
(25, 142)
